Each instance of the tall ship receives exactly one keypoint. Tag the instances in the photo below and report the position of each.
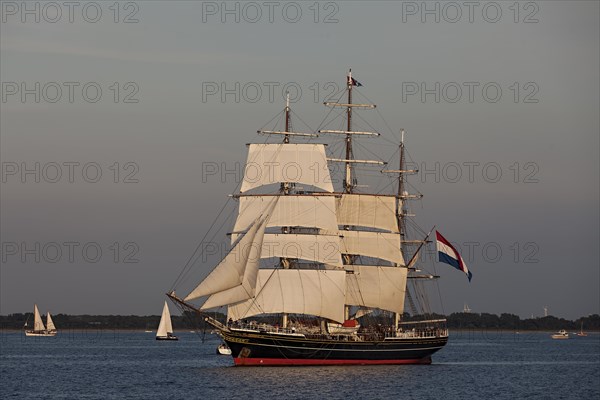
(39, 329)
(319, 271)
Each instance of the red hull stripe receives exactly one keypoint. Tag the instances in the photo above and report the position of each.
(300, 361)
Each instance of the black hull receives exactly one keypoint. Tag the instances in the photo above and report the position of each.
(273, 349)
(167, 338)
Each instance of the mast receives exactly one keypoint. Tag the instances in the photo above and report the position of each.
(286, 138)
(285, 189)
(287, 132)
(348, 187)
(348, 179)
(402, 212)
(400, 206)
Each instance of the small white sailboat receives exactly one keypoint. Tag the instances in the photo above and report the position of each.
(165, 329)
(562, 334)
(581, 333)
(38, 325)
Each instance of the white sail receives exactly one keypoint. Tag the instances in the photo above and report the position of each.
(376, 287)
(312, 292)
(368, 210)
(303, 211)
(246, 288)
(320, 248)
(50, 323)
(285, 162)
(381, 245)
(230, 271)
(38, 325)
(164, 326)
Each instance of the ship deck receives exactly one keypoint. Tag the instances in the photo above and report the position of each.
(433, 331)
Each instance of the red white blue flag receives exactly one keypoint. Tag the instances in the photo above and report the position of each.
(354, 82)
(448, 254)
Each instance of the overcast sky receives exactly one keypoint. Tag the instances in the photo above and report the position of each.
(517, 96)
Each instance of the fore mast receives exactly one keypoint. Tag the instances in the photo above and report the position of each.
(286, 188)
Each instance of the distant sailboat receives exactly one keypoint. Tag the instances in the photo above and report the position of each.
(38, 325)
(581, 332)
(165, 329)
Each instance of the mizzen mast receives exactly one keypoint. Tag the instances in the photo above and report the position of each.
(400, 209)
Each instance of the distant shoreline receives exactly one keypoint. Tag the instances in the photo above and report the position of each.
(457, 322)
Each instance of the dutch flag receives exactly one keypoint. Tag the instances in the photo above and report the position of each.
(448, 254)
(354, 82)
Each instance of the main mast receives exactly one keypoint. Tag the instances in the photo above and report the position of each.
(286, 138)
(285, 189)
(349, 186)
(348, 179)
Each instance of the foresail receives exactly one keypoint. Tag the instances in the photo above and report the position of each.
(229, 272)
(165, 321)
(50, 323)
(295, 210)
(376, 287)
(385, 246)
(38, 325)
(368, 210)
(314, 292)
(246, 289)
(284, 162)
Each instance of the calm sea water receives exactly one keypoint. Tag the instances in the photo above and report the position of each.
(116, 365)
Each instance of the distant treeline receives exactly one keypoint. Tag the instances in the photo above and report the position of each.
(145, 322)
(194, 322)
(514, 322)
